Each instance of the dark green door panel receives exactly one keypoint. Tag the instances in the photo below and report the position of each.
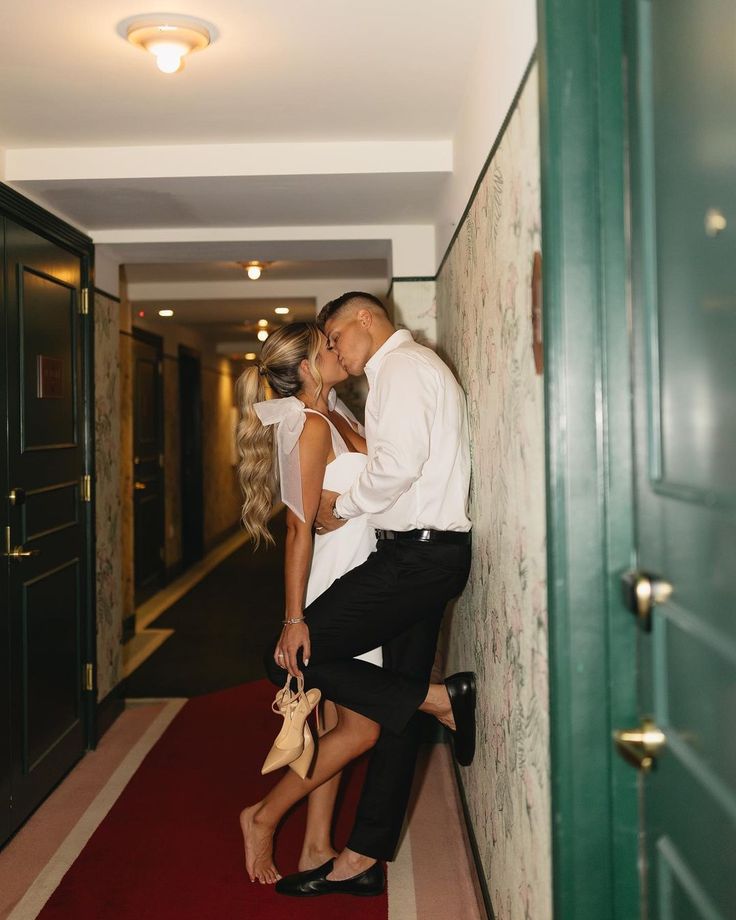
(47, 599)
(682, 69)
(589, 458)
(5, 749)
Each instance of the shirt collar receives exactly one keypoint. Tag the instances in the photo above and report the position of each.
(400, 337)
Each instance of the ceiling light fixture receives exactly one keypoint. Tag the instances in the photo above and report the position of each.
(169, 38)
(282, 311)
(165, 312)
(254, 268)
(262, 335)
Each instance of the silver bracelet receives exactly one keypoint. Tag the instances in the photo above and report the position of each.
(292, 621)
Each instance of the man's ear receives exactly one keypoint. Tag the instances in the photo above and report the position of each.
(366, 318)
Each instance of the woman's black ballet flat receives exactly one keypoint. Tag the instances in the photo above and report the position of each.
(461, 690)
(313, 883)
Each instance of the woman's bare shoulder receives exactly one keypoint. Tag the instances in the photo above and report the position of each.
(316, 432)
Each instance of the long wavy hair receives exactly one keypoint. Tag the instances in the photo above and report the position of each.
(278, 366)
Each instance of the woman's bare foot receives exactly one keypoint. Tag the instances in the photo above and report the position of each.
(258, 841)
(311, 857)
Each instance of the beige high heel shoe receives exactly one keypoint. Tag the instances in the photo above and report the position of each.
(294, 745)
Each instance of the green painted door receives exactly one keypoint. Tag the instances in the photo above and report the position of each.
(681, 58)
(44, 526)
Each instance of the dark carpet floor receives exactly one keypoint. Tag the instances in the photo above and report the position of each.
(221, 627)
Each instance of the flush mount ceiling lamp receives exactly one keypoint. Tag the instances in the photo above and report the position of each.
(254, 269)
(169, 38)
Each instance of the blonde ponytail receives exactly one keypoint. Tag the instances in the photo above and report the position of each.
(256, 471)
(281, 358)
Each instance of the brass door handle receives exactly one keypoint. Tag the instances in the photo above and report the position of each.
(641, 592)
(19, 553)
(140, 486)
(640, 746)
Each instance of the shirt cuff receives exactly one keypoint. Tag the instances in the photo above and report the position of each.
(346, 508)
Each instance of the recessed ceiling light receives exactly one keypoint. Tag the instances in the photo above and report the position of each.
(262, 335)
(250, 356)
(165, 312)
(263, 323)
(168, 37)
(282, 311)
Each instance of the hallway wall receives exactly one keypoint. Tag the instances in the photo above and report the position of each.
(220, 494)
(414, 307)
(499, 626)
(108, 505)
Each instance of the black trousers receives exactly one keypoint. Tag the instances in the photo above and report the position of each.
(396, 600)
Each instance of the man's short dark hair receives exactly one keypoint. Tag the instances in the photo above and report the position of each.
(331, 308)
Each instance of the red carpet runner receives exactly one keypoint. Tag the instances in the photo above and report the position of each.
(170, 848)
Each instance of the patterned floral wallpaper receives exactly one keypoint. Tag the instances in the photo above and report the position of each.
(415, 308)
(499, 626)
(107, 494)
(172, 463)
(221, 491)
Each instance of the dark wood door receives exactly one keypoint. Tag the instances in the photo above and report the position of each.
(683, 126)
(190, 414)
(45, 532)
(148, 461)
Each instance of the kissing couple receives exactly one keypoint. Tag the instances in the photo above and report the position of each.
(377, 543)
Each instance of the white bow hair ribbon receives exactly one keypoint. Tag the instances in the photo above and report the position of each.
(288, 415)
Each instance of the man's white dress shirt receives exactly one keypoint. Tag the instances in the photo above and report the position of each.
(418, 470)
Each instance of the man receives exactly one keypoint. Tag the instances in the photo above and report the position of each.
(415, 489)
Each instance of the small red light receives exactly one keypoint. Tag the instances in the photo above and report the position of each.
(141, 313)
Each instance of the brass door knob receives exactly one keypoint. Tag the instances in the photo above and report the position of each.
(640, 746)
(140, 486)
(642, 591)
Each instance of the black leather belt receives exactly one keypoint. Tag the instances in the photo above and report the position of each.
(426, 536)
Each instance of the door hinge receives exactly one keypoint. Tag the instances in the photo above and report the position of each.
(86, 488)
(84, 302)
(89, 676)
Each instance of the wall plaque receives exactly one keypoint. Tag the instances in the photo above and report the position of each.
(49, 377)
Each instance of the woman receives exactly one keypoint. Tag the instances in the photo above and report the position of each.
(319, 444)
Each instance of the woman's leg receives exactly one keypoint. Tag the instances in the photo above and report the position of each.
(317, 846)
(353, 735)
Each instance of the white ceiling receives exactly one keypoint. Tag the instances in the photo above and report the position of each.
(284, 70)
(315, 134)
(279, 270)
(238, 201)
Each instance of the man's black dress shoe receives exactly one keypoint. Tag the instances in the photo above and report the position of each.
(461, 690)
(315, 882)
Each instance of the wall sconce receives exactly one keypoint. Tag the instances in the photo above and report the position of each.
(169, 38)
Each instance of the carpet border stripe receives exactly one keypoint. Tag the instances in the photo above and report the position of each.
(48, 879)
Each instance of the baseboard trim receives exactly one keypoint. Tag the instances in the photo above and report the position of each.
(480, 871)
(109, 709)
